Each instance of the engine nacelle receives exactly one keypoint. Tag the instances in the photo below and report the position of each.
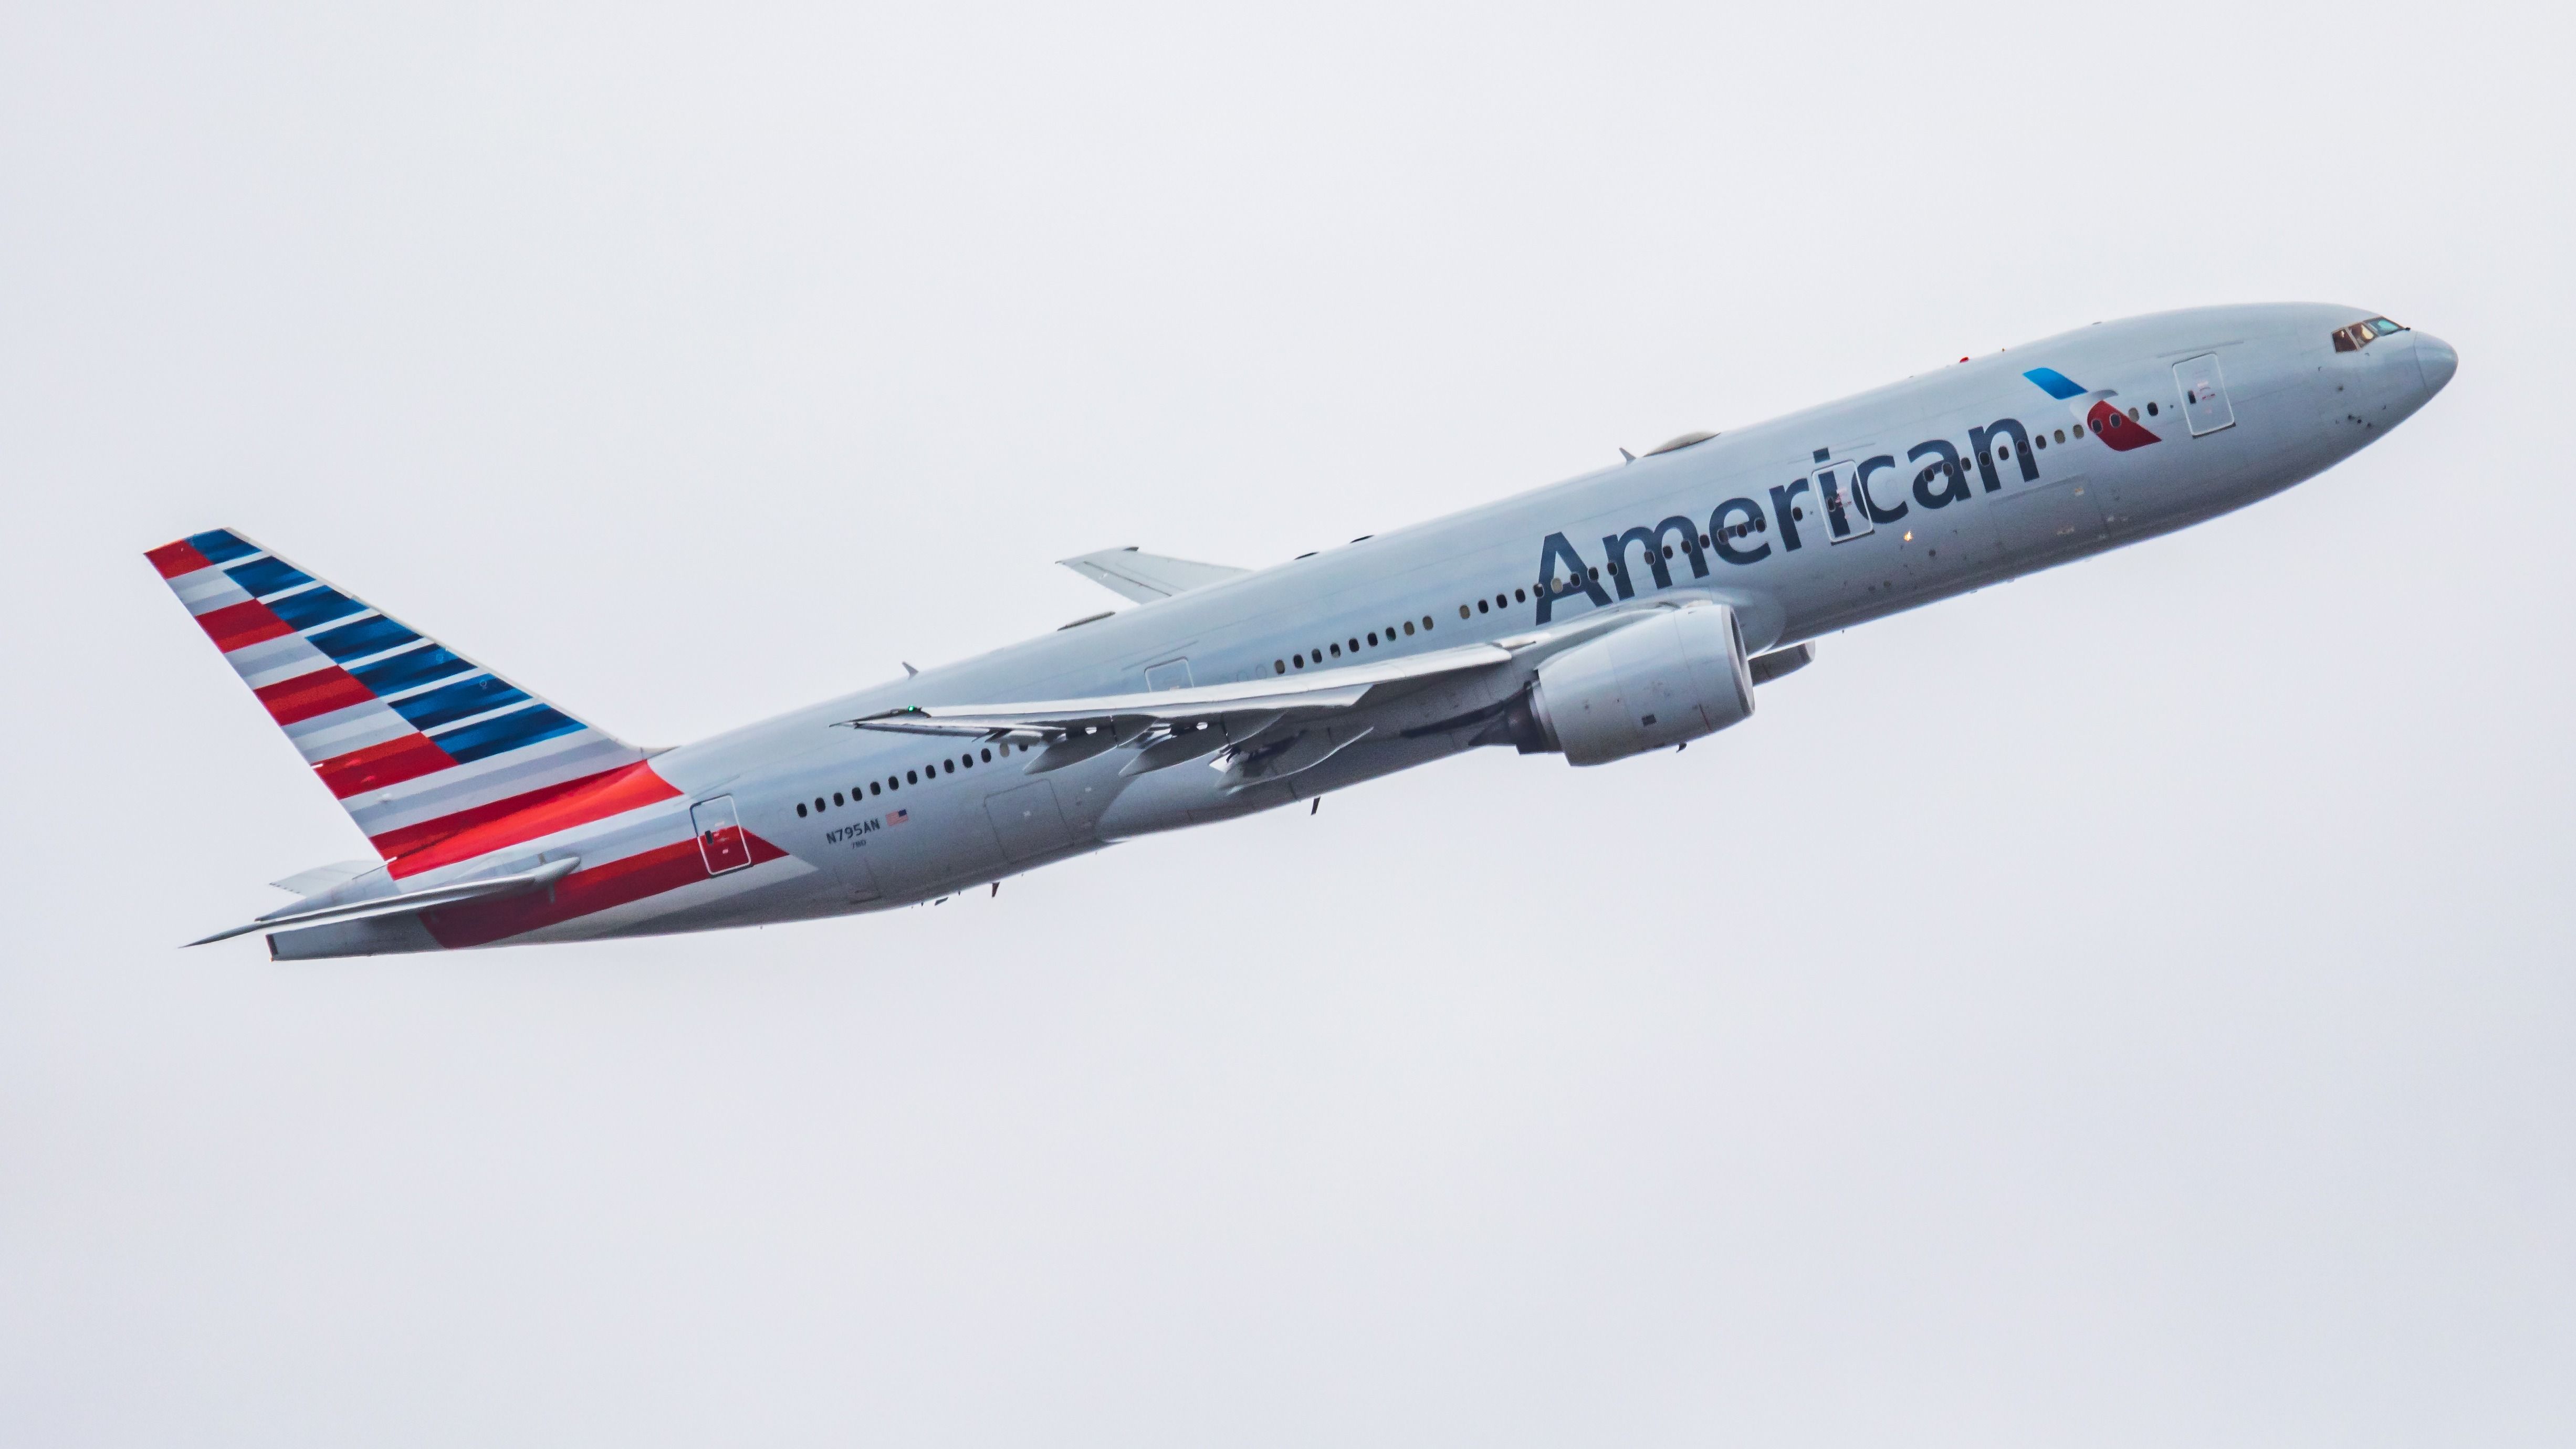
(1660, 681)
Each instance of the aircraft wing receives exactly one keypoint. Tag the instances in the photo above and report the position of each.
(1265, 729)
(1178, 724)
(1146, 577)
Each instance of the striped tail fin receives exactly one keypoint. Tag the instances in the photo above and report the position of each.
(418, 743)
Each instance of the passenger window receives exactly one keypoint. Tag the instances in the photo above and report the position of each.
(1462, 611)
(967, 759)
(913, 775)
(1355, 646)
(836, 797)
(875, 789)
(2061, 435)
(800, 810)
(1426, 621)
(949, 765)
(1372, 638)
(1408, 628)
(1481, 607)
(1522, 595)
(988, 757)
(1337, 651)
(1297, 659)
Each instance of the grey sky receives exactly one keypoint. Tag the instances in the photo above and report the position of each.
(2130, 1006)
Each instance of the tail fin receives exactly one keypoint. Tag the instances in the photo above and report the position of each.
(416, 742)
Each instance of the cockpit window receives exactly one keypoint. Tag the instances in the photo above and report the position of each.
(2361, 334)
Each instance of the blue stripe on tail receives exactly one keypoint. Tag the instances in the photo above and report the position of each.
(509, 732)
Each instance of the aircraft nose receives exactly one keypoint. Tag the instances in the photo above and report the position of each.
(2435, 359)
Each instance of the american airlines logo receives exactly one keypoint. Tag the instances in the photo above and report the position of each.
(1843, 500)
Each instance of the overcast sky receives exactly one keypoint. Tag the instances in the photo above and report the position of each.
(2127, 1007)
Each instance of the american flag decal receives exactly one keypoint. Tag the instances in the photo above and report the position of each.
(898, 817)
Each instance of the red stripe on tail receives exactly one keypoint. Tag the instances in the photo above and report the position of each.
(174, 559)
(236, 625)
(291, 701)
(396, 760)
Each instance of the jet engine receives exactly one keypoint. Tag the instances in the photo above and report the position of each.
(1663, 680)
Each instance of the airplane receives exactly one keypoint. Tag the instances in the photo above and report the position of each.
(1632, 609)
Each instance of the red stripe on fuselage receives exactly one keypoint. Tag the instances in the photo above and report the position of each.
(291, 701)
(248, 622)
(396, 760)
(2114, 428)
(663, 868)
(174, 559)
(466, 834)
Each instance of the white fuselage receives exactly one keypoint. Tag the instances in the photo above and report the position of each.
(1973, 474)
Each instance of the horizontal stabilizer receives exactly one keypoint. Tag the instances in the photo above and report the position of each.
(325, 877)
(294, 917)
(1145, 577)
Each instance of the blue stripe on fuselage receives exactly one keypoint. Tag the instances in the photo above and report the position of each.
(2055, 383)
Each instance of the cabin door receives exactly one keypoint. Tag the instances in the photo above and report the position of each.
(720, 838)
(1846, 514)
(2204, 394)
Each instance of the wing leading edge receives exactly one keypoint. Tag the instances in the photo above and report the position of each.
(1274, 722)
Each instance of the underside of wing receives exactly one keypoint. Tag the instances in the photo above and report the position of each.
(1145, 577)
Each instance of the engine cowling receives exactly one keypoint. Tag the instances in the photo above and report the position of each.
(1660, 681)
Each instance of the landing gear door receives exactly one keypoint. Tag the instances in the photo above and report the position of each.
(1839, 494)
(719, 835)
(2204, 394)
